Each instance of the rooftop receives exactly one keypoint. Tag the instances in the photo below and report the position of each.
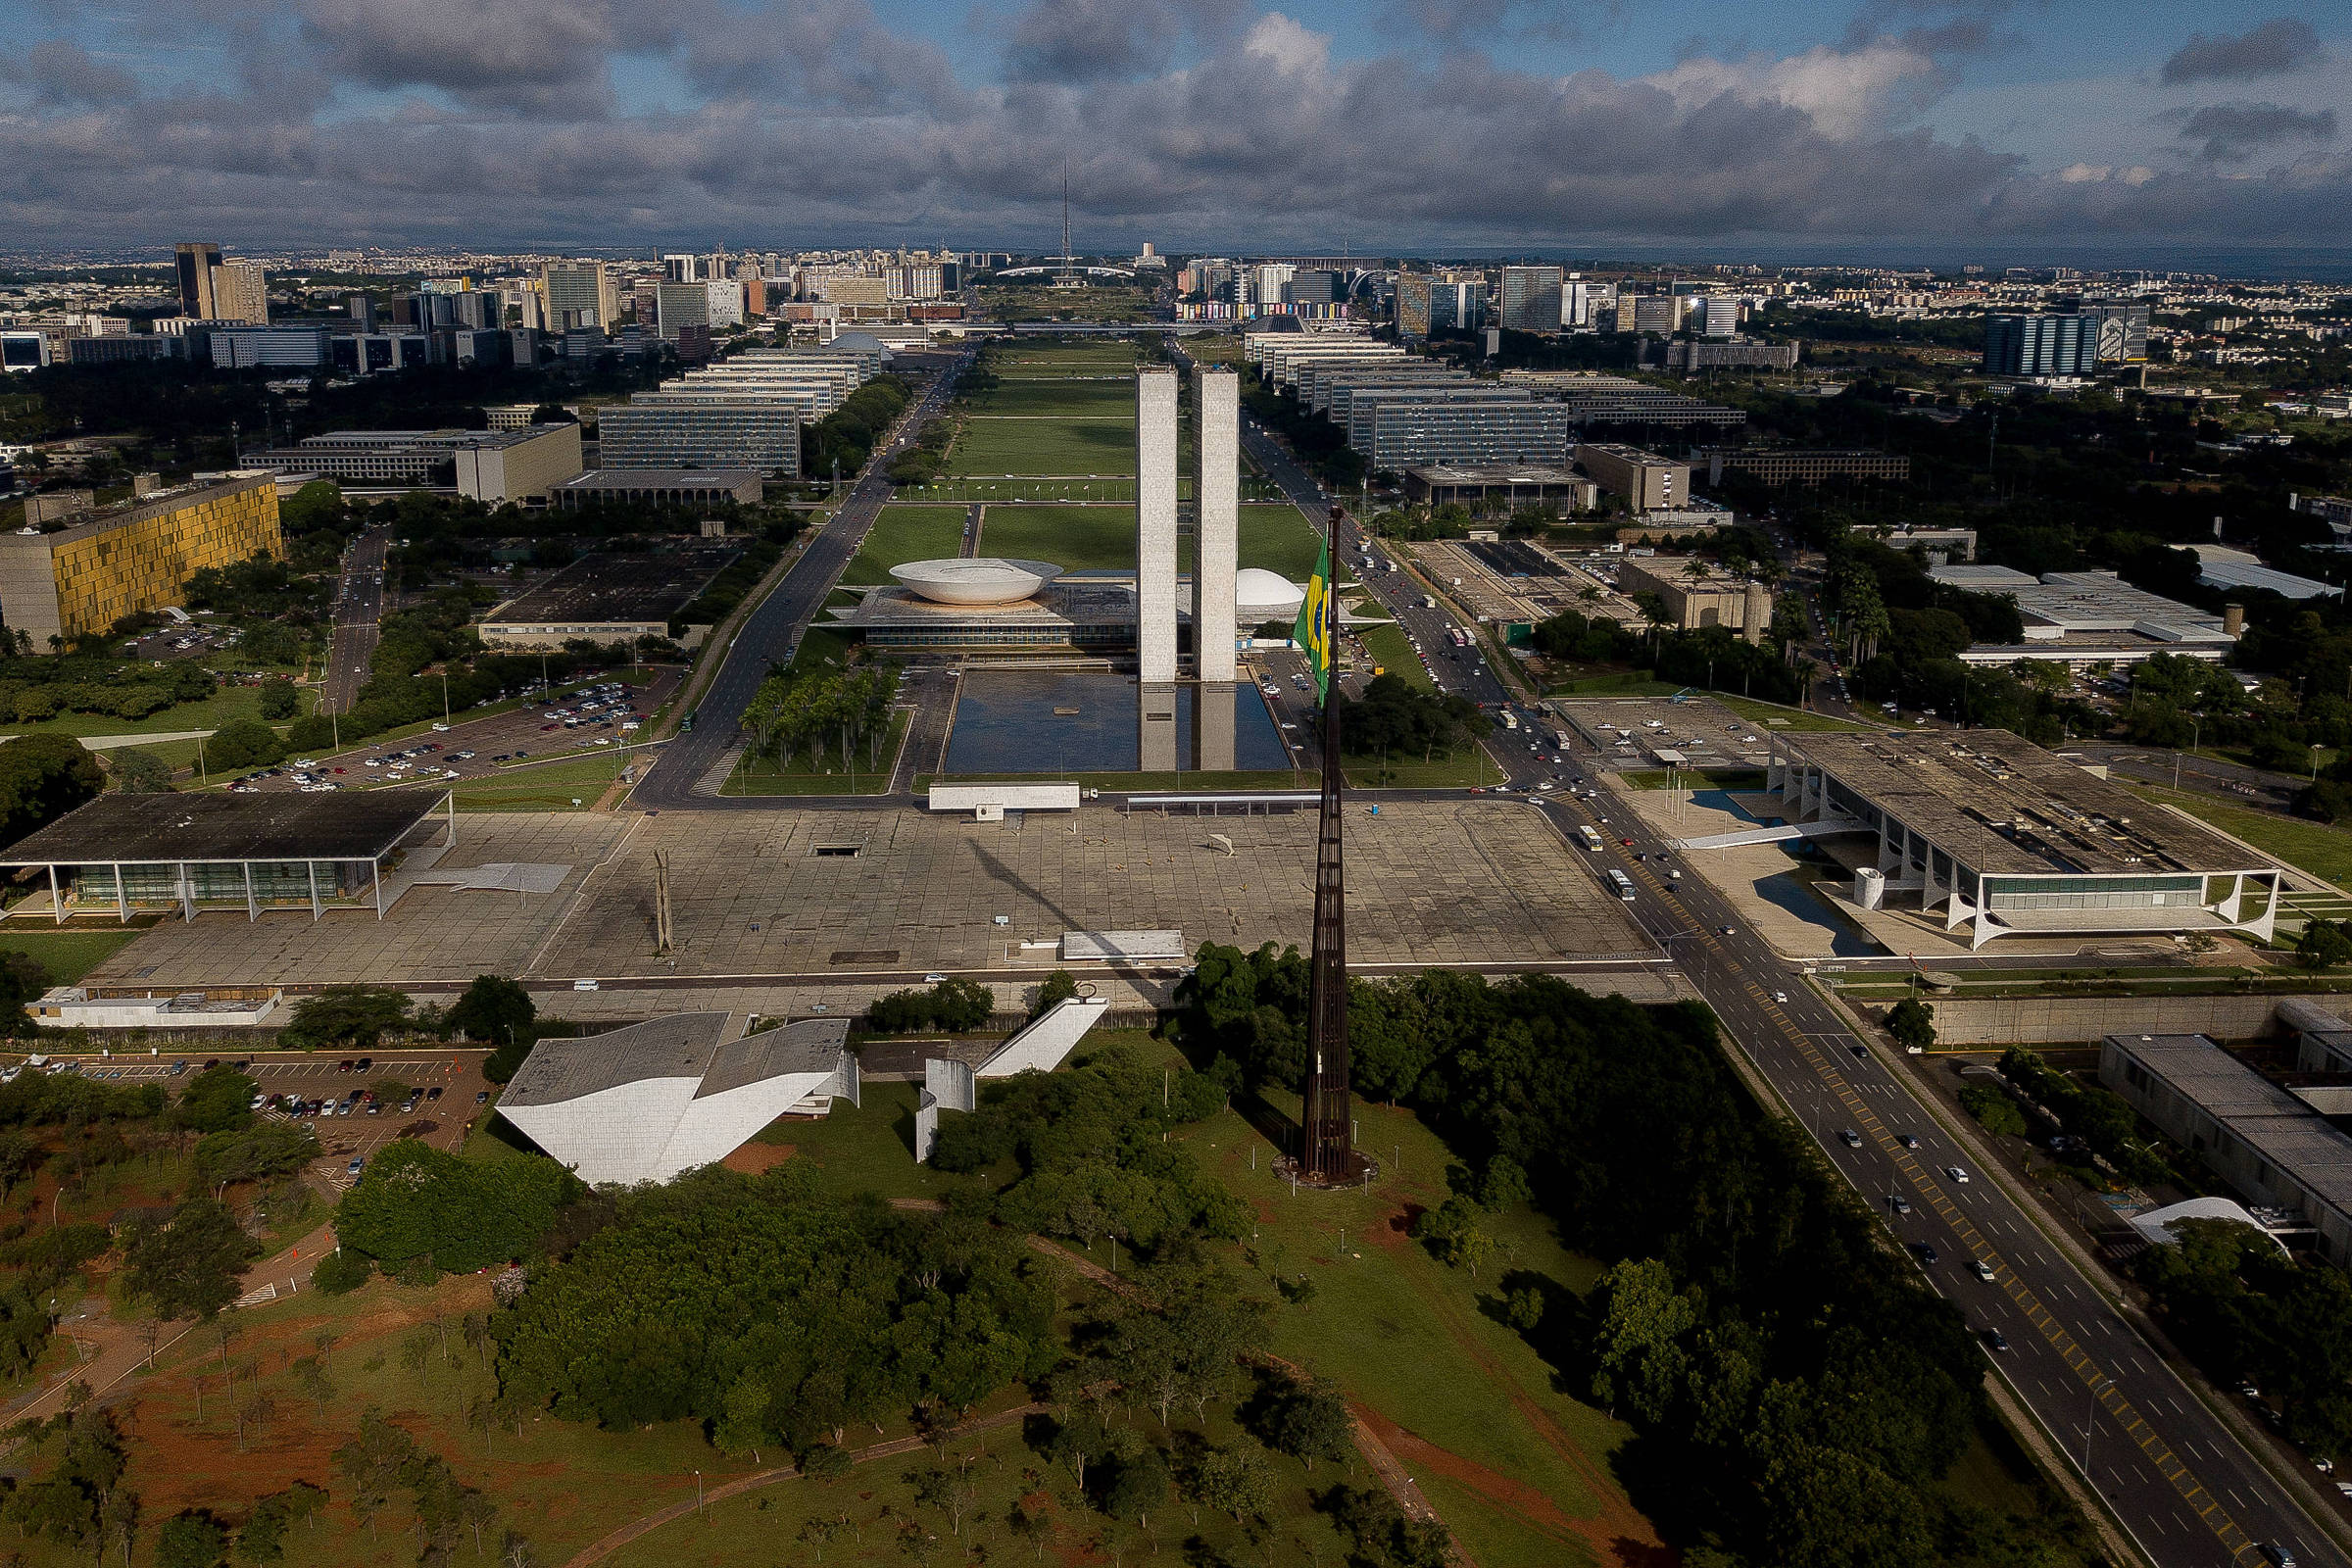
(142, 828)
(2218, 567)
(154, 504)
(687, 1045)
(2065, 603)
(616, 587)
(2283, 1130)
(2002, 805)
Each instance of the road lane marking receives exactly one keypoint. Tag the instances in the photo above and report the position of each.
(2104, 1391)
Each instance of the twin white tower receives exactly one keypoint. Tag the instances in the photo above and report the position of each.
(1216, 542)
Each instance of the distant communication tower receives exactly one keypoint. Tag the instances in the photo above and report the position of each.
(1065, 270)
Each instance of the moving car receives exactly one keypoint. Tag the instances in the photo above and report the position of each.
(1957, 1174)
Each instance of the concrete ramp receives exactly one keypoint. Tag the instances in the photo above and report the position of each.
(1774, 835)
(1041, 1045)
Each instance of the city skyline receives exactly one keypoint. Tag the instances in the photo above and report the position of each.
(1480, 125)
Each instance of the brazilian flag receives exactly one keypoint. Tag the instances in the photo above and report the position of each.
(1314, 628)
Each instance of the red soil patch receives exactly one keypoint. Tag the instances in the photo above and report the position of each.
(1523, 1502)
(752, 1159)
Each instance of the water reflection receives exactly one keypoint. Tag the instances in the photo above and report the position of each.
(1073, 722)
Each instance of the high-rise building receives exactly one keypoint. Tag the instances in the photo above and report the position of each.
(241, 293)
(196, 260)
(1458, 305)
(1216, 510)
(2120, 329)
(1652, 313)
(2049, 343)
(1719, 315)
(1531, 299)
(580, 294)
(1312, 287)
(1576, 303)
(1156, 524)
(1413, 305)
(723, 305)
(681, 267)
(678, 305)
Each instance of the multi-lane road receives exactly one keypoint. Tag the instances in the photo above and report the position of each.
(773, 628)
(2174, 1476)
(359, 618)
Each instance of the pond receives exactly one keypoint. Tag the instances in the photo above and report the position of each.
(1785, 890)
(1073, 722)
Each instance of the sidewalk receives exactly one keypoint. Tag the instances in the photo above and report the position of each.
(114, 1349)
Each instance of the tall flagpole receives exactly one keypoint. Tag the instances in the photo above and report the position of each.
(1326, 1152)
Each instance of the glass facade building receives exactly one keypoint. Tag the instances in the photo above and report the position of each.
(658, 433)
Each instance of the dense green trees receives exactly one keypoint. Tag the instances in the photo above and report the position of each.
(187, 1264)
(1092, 1161)
(42, 777)
(1805, 1390)
(782, 1316)
(216, 1099)
(953, 1005)
(2245, 1311)
(847, 436)
(354, 1016)
(1395, 716)
(418, 1204)
(494, 1009)
(802, 710)
(137, 772)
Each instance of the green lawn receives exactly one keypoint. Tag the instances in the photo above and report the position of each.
(1393, 653)
(1074, 538)
(808, 776)
(903, 534)
(1038, 395)
(228, 704)
(1100, 446)
(2325, 852)
(1279, 538)
(1465, 768)
(1410, 1339)
(541, 787)
(67, 954)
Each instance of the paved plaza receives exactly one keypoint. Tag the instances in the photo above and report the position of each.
(808, 893)
(858, 893)
(435, 932)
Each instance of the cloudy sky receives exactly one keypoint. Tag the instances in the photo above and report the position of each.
(1375, 125)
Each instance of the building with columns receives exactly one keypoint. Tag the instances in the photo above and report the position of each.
(2002, 838)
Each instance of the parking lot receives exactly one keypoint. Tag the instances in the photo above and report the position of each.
(484, 747)
(457, 1071)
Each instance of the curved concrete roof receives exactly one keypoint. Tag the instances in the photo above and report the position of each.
(986, 580)
(679, 1046)
(1262, 595)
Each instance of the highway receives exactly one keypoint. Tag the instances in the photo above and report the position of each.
(359, 618)
(773, 628)
(2183, 1486)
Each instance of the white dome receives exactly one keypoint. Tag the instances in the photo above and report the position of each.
(986, 580)
(1259, 594)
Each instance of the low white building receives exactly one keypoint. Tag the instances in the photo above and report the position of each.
(139, 1007)
(648, 1101)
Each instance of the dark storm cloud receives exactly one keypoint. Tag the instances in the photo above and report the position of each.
(2273, 49)
(63, 74)
(1182, 119)
(2233, 132)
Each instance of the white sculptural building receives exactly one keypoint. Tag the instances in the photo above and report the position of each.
(648, 1102)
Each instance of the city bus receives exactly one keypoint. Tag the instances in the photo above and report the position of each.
(1622, 883)
(1591, 838)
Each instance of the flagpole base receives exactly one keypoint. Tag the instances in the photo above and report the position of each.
(1360, 1170)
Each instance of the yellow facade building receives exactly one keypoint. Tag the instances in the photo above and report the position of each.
(78, 581)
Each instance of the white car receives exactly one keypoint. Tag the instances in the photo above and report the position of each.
(1984, 1270)
(1958, 1176)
